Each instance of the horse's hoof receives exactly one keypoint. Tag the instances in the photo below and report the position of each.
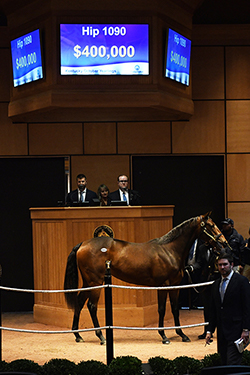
(79, 339)
(185, 339)
(166, 341)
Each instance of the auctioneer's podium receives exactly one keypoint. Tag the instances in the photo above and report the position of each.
(57, 230)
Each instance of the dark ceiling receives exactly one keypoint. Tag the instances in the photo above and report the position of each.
(3, 20)
(210, 12)
(223, 12)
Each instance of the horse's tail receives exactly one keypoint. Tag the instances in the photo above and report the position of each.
(71, 278)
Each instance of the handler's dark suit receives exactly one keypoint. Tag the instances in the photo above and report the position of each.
(134, 197)
(73, 196)
(230, 316)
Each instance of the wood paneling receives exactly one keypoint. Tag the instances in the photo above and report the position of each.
(100, 138)
(13, 140)
(57, 230)
(5, 77)
(238, 130)
(237, 72)
(143, 137)
(50, 260)
(55, 139)
(238, 177)
(100, 169)
(240, 213)
(4, 37)
(208, 72)
(204, 133)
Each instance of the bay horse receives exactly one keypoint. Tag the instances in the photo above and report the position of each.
(158, 262)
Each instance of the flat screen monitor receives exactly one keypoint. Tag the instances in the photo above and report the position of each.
(118, 203)
(80, 204)
(26, 58)
(95, 202)
(178, 51)
(104, 49)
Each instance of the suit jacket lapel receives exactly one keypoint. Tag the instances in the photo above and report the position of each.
(217, 292)
(229, 286)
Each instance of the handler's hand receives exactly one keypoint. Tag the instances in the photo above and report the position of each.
(245, 337)
(208, 339)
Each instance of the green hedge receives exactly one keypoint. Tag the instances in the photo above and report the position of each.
(124, 365)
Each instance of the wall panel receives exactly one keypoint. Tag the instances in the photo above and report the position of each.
(143, 137)
(100, 169)
(100, 138)
(204, 133)
(238, 130)
(238, 177)
(208, 72)
(237, 72)
(5, 78)
(240, 212)
(55, 139)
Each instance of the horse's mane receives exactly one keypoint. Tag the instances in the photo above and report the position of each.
(174, 233)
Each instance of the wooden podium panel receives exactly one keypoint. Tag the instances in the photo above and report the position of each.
(57, 230)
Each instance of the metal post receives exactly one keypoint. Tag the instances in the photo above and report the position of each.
(109, 315)
(0, 315)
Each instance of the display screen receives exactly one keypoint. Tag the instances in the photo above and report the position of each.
(104, 49)
(178, 57)
(26, 58)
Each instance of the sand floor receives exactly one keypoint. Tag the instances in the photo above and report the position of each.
(141, 344)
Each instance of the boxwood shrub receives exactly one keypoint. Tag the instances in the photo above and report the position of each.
(125, 365)
(24, 365)
(92, 368)
(59, 366)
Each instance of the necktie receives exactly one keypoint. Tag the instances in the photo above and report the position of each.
(223, 288)
(124, 197)
(81, 193)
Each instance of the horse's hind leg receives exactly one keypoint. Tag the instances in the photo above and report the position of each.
(81, 299)
(92, 306)
(174, 297)
(162, 299)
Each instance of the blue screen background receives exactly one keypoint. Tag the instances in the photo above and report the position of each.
(178, 57)
(26, 58)
(101, 60)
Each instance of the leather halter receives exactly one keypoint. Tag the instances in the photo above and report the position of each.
(211, 236)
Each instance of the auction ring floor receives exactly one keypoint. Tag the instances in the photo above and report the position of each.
(142, 344)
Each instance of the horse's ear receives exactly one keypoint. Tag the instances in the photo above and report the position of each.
(206, 216)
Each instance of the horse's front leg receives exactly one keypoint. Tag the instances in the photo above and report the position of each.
(174, 298)
(92, 306)
(80, 301)
(162, 299)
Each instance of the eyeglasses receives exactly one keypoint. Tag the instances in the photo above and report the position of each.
(123, 181)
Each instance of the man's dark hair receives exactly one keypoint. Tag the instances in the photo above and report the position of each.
(118, 178)
(80, 176)
(226, 255)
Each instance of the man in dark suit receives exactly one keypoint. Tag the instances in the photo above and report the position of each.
(132, 197)
(235, 240)
(230, 311)
(81, 194)
(201, 268)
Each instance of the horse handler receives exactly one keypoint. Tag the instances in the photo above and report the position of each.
(230, 312)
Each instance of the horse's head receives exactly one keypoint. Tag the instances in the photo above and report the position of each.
(211, 233)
